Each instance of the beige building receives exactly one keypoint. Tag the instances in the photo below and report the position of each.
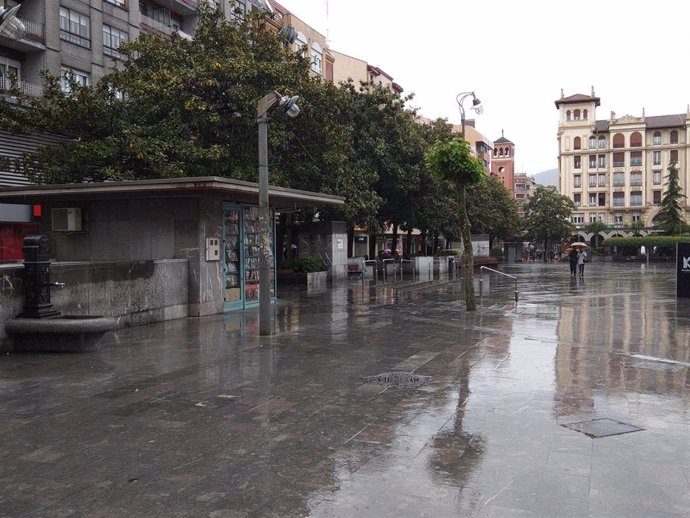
(615, 169)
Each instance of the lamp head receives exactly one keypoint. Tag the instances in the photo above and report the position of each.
(477, 106)
(10, 26)
(289, 105)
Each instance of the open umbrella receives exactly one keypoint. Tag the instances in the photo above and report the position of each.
(579, 245)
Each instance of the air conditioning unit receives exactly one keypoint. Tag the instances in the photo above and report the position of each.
(66, 220)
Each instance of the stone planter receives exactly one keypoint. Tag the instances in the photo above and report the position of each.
(425, 267)
(317, 280)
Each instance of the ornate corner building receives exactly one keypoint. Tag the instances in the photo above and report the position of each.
(615, 169)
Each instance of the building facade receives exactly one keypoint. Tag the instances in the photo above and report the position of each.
(524, 187)
(615, 169)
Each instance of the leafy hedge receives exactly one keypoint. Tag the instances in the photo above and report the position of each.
(309, 264)
(648, 241)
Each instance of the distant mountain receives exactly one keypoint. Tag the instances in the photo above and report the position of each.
(547, 178)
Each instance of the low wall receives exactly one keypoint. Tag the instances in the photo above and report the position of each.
(136, 293)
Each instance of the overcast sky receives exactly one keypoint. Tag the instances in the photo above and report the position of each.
(516, 56)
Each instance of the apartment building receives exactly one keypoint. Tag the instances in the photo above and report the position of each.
(614, 169)
(524, 187)
(80, 37)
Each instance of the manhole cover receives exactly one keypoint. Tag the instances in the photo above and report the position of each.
(398, 379)
(602, 427)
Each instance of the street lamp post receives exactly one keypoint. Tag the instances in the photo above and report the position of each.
(289, 106)
(476, 106)
(466, 231)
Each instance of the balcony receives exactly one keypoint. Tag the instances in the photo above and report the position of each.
(150, 25)
(619, 164)
(636, 162)
(183, 7)
(636, 201)
(6, 85)
(619, 183)
(33, 40)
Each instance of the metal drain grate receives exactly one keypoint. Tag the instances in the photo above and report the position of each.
(596, 428)
(398, 379)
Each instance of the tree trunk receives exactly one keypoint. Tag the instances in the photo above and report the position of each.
(395, 238)
(422, 238)
(372, 246)
(433, 252)
(468, 253)
(350, 240)
(408, 247)
(546, 250)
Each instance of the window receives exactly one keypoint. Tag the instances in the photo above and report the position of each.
(618, 218)
(300, 43)
(636, 158)
(656, 177)
(657, 138)
(584, 114)
(618, 140)
(618, 199)
(602, 143)
(602, 199)
(592, 142)
(592, 200)
(577, 143)
(577, 199)
(636, 139)
(674, 156)
(602, 217)
(592, 161)
(578, 162)
(567, 115)
(577, 181)
(656, 157)
(79, 77)
(601, 161)
(656, 196)
(674, 137)
(636, 179)
(112, 38)
(119, 3)
(592, 218)
(74, 27)
(316, 58)
(635, 216)
(576, 115)
(619, 160)
(619, 179)
(577, 218)
(592, 180)
(238, 9)
(635, 198)
(602, 180)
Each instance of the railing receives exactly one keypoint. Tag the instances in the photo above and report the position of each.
(375, 264)
(33, 30)
(618, 164)
(481, 279)
(25, 87)
(156, 25)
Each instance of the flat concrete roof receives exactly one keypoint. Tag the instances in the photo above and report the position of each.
(233, 190)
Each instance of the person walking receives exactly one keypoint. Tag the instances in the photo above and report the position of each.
(581, 256)
(572, 259)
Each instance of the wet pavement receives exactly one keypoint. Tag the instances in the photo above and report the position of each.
(572, 402)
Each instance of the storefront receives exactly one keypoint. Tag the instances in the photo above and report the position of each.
(240, 250)
(189, 246)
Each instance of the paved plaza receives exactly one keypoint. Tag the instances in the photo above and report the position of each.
(572, 402)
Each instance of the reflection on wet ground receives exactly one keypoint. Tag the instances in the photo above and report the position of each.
(202, 417)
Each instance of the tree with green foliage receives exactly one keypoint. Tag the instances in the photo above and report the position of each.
(635, 227)
(453, 162)
(492, 210)
(174, 107)
(595, 227)
(670, 219)
(547, 217)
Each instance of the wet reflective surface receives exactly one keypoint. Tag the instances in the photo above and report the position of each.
(202, 417)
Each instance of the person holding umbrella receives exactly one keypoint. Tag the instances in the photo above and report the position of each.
(581, 256)
(572, 259)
